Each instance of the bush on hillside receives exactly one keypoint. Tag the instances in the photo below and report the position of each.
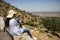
(52, 23)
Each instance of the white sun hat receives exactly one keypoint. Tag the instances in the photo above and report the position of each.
(10, 13)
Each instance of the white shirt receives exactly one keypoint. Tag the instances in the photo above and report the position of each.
(14, 27)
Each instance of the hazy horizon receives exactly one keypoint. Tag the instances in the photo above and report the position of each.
(45, 12)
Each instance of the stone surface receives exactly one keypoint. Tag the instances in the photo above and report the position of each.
(36, 34)
(5, 36)
(2, 24)
(22, 37)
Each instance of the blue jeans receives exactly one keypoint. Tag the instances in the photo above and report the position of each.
(28, 32)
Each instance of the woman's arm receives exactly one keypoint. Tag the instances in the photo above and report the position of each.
(19, 23)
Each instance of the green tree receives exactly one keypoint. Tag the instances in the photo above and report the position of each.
(52, 23)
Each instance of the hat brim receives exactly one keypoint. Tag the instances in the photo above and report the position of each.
(11, 13)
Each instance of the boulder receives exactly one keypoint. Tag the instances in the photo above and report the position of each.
(22, 37)
(5, 36)
(2, 24)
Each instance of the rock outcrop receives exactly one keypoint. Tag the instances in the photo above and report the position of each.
(2, 24)
(5, 36)
(22, 37)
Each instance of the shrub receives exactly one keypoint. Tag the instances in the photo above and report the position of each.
(52, 23)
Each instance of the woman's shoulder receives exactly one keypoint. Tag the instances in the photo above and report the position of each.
(17, 19)
(11, 20)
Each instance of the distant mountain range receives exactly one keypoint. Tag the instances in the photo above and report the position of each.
(45, 14)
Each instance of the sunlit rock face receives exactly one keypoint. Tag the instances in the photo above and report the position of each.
(5, 36)
(22, 37)
(2, 24)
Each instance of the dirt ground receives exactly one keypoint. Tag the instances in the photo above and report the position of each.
(44, 36)
(36, 34)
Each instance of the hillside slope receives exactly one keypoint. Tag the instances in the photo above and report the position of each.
(28, 20)
(25, 17)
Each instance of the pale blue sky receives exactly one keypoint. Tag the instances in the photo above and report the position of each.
(36, 5)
